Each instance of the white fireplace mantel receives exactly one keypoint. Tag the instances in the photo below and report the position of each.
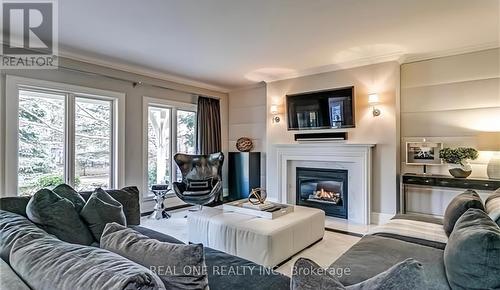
(356, 158)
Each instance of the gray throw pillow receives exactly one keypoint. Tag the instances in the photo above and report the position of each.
(458, 206)
(15, 204)
(492, 206)
(101, 209)
(13, 227)
(51, 264)
(472, 254)
(69, 193)
(179, 266)
(58, 216)
(408, 274)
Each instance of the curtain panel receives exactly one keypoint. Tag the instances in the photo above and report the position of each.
(208, 126)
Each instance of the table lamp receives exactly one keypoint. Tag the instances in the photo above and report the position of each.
(490, 141)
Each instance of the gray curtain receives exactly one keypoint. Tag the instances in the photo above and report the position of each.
(209, 131)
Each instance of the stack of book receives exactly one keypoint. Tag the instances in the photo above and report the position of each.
(262, 206)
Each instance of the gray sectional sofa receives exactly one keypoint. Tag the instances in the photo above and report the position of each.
(406, 236)
(222, 268)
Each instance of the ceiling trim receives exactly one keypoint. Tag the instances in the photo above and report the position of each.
(141, 71)
(449, 52)
(396, 56)
(400, 57)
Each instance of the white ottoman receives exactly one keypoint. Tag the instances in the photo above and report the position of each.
(263, 241)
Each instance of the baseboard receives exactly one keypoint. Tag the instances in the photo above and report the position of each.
(378, 218)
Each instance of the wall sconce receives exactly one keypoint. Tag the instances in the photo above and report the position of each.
(274, 112)
(373, 101)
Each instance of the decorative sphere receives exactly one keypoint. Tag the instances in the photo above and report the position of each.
(244, 144)
(257, 196)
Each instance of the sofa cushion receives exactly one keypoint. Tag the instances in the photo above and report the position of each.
(374, 254)
(458, 206)
(222, 269)
(13, 227)
(101, 209)
(408, 274)
(129, 198)
(58, 216)
(15, 204)
(492, 206)
(472, 255)
(51, 264)
(69, 193)
(9, 279)
(179, 266)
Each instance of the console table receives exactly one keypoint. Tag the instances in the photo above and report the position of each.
(431, 180)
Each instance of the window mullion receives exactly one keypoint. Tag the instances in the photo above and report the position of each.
(173, 143)
(69, 173)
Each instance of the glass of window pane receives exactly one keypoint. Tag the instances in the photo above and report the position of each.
(186, 134)
(158, 146)
(41, 141)
(93, 136)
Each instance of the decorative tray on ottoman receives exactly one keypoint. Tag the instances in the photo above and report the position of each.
(267, 210)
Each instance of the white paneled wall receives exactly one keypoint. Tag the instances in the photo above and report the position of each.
(247, 118)
(449, 100)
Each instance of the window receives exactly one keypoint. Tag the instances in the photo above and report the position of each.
(171, 128)
(64, 134)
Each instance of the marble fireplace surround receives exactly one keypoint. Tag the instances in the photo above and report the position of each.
(356, 158)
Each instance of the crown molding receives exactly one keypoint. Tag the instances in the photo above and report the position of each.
(141, 71)
(249, 87)
(396, 56)
(409, 58)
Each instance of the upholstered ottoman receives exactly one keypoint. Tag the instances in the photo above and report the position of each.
(263, 241)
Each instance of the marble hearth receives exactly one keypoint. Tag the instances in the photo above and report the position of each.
(355, 158)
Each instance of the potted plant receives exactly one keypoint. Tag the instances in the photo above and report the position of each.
(458, 158)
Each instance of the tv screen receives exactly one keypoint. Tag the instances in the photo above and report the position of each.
(327, 109)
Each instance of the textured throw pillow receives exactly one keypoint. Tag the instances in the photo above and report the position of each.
(13, 227)
(408, 274)
(15, 204)
(69, 193)
(51, 264)
(58, 216)
(101, 209)
(179, 266)
(492, 206)
(458, 206)
(472, 254)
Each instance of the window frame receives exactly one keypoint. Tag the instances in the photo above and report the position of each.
(14, 84)
(174, 106)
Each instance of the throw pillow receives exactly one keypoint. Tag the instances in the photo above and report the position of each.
(492, 206)
(472, 254)
(13, 227)
(58, 216)
(69, 193)
(458, 206)
(408, 274)
(15, 204)
(179, 266)
(101, 209)
(49, 263)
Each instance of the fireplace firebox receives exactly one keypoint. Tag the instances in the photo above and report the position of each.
(321, 188)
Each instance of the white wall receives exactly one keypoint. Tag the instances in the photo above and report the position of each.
(449, 100)
(383, 130)
(247, 118)
(133, 123)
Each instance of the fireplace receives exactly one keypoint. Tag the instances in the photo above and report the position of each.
(325, 189)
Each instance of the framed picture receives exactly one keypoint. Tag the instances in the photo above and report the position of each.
(423, 153)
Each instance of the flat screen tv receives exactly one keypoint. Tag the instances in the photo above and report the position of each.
(328, 109)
